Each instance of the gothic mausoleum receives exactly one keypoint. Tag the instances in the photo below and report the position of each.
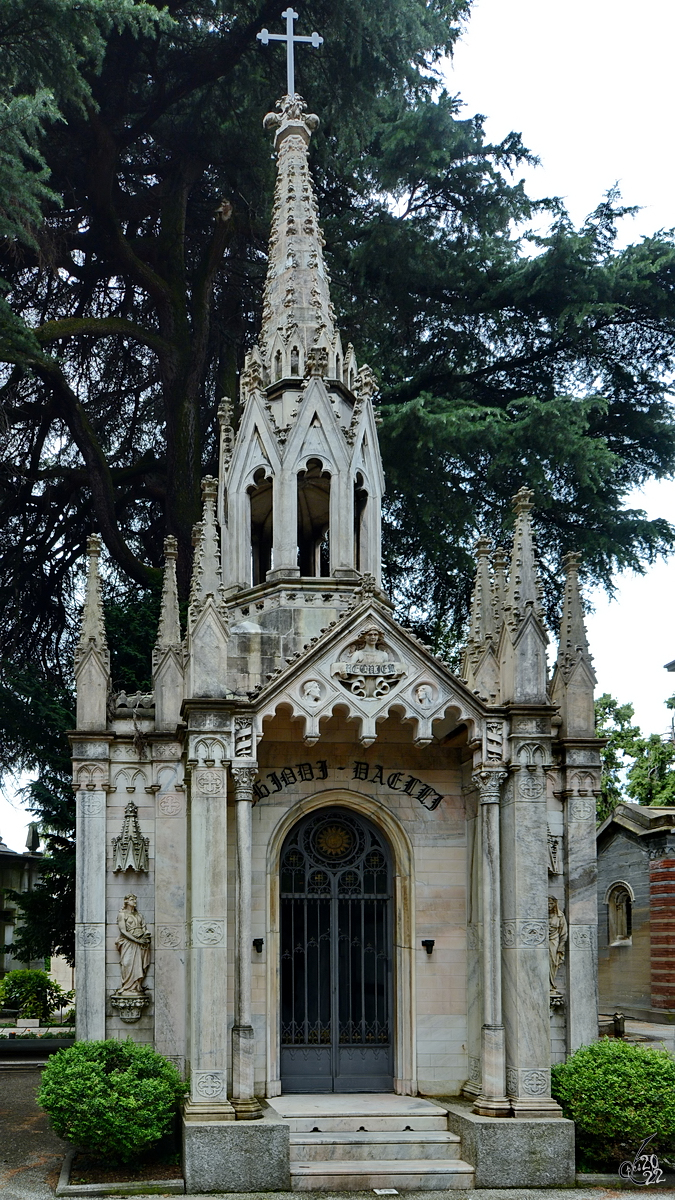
(350, 893)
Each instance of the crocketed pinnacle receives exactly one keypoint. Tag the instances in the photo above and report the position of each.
(573, 646)
(168, 633)
(92, 629)
(206, 578)
(523, 588)
(298, 316)
(482, 624)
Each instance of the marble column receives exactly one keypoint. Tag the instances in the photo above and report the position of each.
(208, 945)
(582, 786)
(90, 895)
(525, 955)
(244, 1102)
(493, 1101)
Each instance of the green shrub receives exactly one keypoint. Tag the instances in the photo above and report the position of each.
(617, 1094)
(33, 993)
(112, 1099)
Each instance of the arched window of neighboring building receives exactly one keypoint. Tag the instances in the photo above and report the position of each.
(360, 503)
(295, 361)
(338, 367)
(619, 900)
(277, 365)
(261, 526)
(313, 520)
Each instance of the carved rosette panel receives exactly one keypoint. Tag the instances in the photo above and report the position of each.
(171, 804)
(209, 781)
(511, 1081)
(208, 932)
(474, 1070)
(582, 937)
(582, 809)
(535, 1083)
(209, 1084)
(169, 937)
(524, 934)
(91, 806)
(89, 937)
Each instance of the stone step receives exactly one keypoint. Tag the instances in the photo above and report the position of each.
(360, 1147)
(359, 1113)
(400, 1173)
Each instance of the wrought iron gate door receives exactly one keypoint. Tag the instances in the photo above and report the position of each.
(336, 960)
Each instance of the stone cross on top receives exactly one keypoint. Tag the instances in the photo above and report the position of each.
(290, 38)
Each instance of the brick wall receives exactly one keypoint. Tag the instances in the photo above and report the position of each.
(662, 923)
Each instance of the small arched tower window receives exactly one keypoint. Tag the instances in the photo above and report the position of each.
(352, 378)
(277, 365)
(338, 367)
(619, 915)
(360, 504)
(295, 361)
(313, 520)
(261, 526)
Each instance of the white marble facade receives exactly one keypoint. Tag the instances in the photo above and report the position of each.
(295, 689)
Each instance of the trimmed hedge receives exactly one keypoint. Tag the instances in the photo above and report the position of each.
(617, 1094)
(112, 1099)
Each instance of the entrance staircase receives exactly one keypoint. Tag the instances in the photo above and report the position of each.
(359, 1142)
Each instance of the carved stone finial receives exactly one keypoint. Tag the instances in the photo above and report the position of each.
(573, 645)
(130, 848)
(206, 578)
(523, 588)
(298, 317)
(92, 629)
(168, 633)
(482, 614)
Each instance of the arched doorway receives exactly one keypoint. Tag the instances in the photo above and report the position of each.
(336, 955)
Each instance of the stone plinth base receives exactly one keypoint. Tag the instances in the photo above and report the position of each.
(538, 1152)
(236, 1156)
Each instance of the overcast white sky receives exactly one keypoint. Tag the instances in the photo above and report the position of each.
(589, 84)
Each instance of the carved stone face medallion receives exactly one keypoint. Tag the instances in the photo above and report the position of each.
(368, 669)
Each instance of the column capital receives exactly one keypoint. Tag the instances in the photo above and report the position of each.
(488, 782)
(244, 778)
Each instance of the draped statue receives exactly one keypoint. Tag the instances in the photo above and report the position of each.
(133, 946)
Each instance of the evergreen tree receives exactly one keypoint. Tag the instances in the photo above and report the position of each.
(135, 200)
(634, 767)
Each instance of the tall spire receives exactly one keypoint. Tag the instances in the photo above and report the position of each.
(479, 666)
(482, 616)
(206, 579)
(168, 633)
(92, 660)
(523, 588)
(298, 316)
(208, 625)
(167, 656)
(574, 678)
(573, 646)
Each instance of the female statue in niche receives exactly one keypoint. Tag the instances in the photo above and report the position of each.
(557, 936)
(133, 946)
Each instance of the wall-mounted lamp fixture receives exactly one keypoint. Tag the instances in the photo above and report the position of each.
(429, 944)
(258, 944)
